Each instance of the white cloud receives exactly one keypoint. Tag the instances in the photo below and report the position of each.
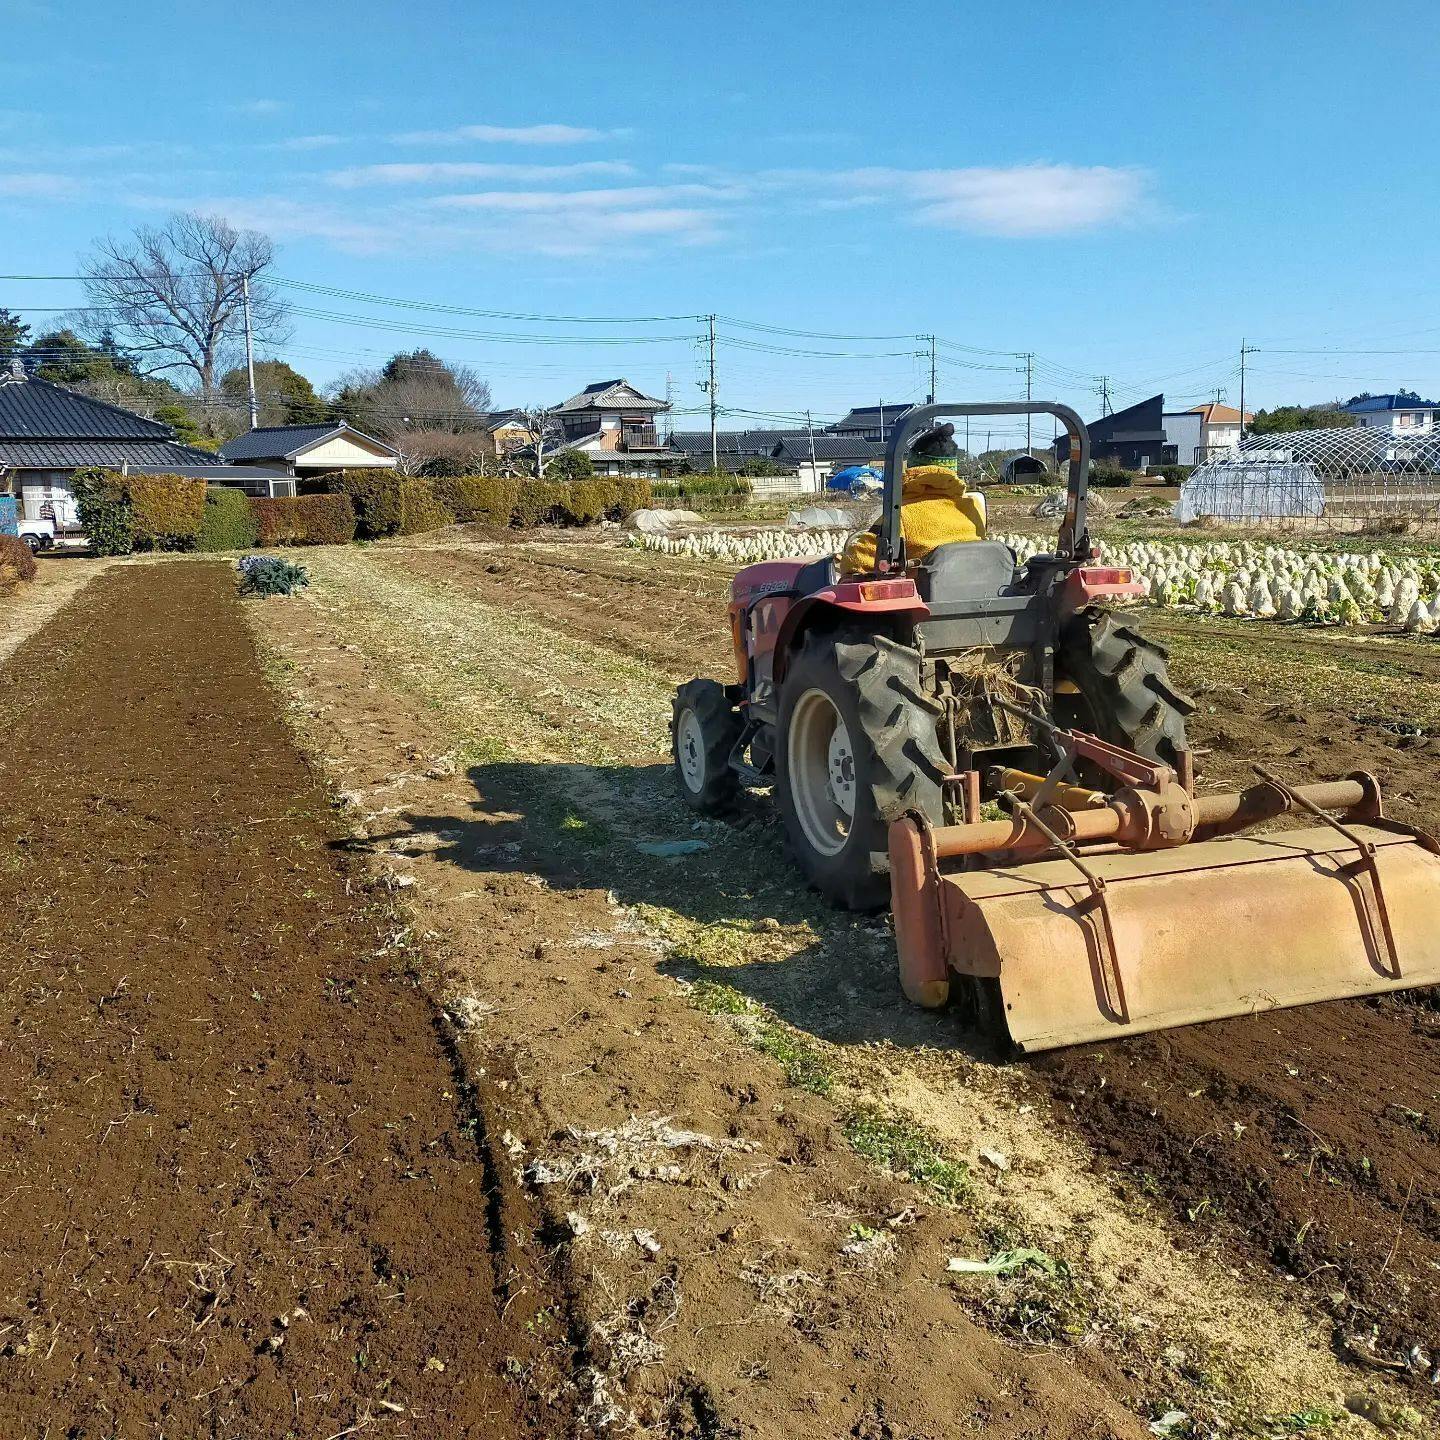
(259, 106)
(608, 231)
(283, 218)
(442, 171)
(1016, 200)
(38, 185)
(623, 197)
(509, 135)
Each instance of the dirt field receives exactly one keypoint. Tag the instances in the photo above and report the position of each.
(246, 1190)
(724, 1167)
(1209, 1258)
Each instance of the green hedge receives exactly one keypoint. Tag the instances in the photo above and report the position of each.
(465, 496)
(304, 520)
(421, 509)
(166, 510)
(710, 482)
(121, 513)
(1112, 476)
(229, 520)
(389, 504)
(378, 497)
(104, 510)
(1172, 474)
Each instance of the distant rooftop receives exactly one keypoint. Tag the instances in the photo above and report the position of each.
(284, 442)
(1373, 404)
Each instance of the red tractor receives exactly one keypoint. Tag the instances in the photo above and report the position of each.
(1004, 759)
(858, 697)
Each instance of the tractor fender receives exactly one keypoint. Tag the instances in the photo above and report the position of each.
(858, 599)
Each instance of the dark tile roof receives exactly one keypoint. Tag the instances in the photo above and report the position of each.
(1376, 403)
(749, 443)
(867, 417)
(612, 395)
(275, 442)
(848, 449)
(33, 409)
(73, 454)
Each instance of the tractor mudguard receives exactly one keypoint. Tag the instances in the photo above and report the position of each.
(859, 597)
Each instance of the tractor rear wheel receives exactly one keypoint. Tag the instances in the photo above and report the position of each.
(703, 730)
(857, 747)
(1125, 695)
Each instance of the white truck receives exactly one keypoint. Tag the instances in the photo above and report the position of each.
(52, 523)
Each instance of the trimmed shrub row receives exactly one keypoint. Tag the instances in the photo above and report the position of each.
(16, 562)
(165, 510)
(706, 483)
(304, 520)
(421, 509)
(387, 504)
(229, 522)
(122, 513)
(104, 510)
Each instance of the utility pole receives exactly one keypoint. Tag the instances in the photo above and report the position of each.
(249, 351)
(669, 404)
(882, 422)
(1029, 385)
(710, 390)
(810, 435)
(1104, 396)
(931, 339)
(1244, 351)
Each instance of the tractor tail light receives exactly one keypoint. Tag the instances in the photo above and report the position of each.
(887, 590)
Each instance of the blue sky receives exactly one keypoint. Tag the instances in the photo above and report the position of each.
(1123, 189)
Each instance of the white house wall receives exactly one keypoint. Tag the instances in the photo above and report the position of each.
(342, 453)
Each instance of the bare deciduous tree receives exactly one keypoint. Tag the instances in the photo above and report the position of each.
(173, 296)
(545, 434)
(415, 390)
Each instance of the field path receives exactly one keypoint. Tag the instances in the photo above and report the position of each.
(245, 1189)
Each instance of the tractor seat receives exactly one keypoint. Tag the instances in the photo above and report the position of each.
(966, 570)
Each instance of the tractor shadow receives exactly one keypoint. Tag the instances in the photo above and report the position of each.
(766, 935)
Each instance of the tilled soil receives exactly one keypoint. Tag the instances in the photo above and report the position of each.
(247, 1190)
(1308, 1137)
(739, 1269)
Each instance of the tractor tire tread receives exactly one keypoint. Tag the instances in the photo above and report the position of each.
(1122, 675)
(721, 727)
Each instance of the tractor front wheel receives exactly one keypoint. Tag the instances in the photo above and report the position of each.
(703, 730)
(857, 748)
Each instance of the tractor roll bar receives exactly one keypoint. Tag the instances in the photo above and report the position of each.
(1074, 541)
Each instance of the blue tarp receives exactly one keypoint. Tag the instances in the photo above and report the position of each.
(9, 516)
(845, 479)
